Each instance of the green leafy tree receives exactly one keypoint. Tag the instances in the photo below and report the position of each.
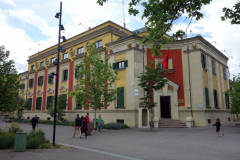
(153, 79)
(160, 15)
(61, 106)
(233, 14)
(9, 82)
(21, 104)
(234, 95)
(94, 86)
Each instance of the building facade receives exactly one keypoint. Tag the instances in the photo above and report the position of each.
(197, 78)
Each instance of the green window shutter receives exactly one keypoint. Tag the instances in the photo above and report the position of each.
(30, 103)
(120, 95)
(205, 64)
(39, 81)
(215, 98)
(40, 106)
(207, 98)
(125, 63)
(47, 102)
(213, 66)
(114, 65)
(76, 72)
(63, 75)
(67, 74)
(29, 85)
(32, 82)
(202, 60)
(42, 79)
(36, 103)
(49, 80)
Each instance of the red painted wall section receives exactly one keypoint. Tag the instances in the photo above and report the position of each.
(45, 90)
(70, 85)
(35, 91)
(105, 104)
(177, 76)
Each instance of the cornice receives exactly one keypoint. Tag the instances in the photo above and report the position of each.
(41, 68)
(125, 50)
(85, 38)
(64, 61)
(201, 50)
(51, 65)
(78, 56)
(32, 71)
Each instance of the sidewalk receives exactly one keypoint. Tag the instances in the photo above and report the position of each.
(168, 143)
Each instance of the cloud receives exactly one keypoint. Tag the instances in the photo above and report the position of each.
(10, 2)
(213, 29)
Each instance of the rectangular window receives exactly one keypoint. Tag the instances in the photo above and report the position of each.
(224, 73)
(49, 101)
(78, 105)
(50, 80)
(65, 100)
(41, 64)
(65, 75)
(40, 81)
(120, 96)
(227, 101)
(213, 67)
(120, 65)
(80, 50)
(207, 98)
(99, 44)
(30, 83)
(32, 67)
(76, 72)
(39, 103)
(22, 86)
(52, 60)
(215, 98)
(203, 61)
(29, 104)
(65, 55)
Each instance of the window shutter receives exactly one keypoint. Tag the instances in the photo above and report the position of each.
(47, 102)
(207, 98)
(49, 80)
(67, 74)
(29, 83)
(30, 103)
(118, 97)
(215, 98)
(36, 103)
(40, 106)
(76, 72)
(42, 79)
(38, 81)
(63, 75)
(114, 65)
(125, 63)
(122, 97)
(205, 64)
(202, 60)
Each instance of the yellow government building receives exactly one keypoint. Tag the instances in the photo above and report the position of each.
(197, 79)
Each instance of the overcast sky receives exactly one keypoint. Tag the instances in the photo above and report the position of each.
(25, 24)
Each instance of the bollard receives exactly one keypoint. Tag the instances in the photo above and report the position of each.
(156, 120)
(189, 121)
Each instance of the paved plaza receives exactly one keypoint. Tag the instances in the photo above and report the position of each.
(198, 143)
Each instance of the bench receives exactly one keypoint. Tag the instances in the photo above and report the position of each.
(237, 122)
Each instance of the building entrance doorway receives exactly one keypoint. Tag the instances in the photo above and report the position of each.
(165, 104)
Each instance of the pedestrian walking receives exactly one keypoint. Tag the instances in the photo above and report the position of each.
(99, 123)
(34, 122)
(78, 126)
(85, 126)
(90, 129)
(218, 124)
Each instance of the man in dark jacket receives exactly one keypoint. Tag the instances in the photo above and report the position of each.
(34, 122)
(85, 126)
(78, 126)
(218, 124)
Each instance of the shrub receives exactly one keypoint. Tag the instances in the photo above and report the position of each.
(14, 128)
(6, 140)
(33, 143)
(115, 126)
(45, 146)
(11, 117)
(38, 133)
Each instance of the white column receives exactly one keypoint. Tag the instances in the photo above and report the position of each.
(148, 118)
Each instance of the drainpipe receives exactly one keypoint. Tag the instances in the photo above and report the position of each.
(189, 82)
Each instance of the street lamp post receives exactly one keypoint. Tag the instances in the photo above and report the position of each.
(56, 62)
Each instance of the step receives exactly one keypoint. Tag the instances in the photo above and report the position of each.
(170, 122)
(172, 126)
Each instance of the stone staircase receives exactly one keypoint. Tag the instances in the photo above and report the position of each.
(170, 123)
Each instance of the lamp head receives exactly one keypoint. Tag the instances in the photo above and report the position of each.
(57, 15)
(64, 39)
(51, 75)
(62, 49)
(55, 62)
(62, 27)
